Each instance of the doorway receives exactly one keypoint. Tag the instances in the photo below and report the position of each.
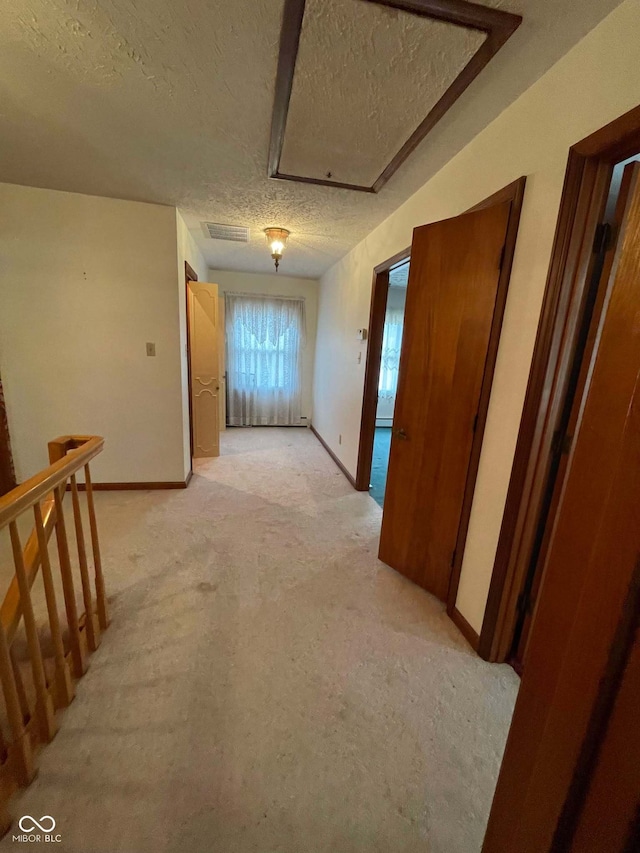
(569, 778)
(603, 258)
(377, 315)
(388, 378)
(455, 299)
(589, 225)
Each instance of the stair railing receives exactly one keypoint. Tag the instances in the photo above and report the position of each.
(33, 689)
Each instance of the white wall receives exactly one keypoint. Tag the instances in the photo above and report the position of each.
(281, 285)
(598, 80)
(187, 251)
(85, 282)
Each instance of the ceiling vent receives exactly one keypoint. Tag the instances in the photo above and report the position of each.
(235, 233)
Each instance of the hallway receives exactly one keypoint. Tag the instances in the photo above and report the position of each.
(266, 684)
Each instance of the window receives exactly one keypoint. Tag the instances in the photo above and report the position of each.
(264, 339)
(390, 358)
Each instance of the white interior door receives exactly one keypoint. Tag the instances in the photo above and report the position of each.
(204, 335)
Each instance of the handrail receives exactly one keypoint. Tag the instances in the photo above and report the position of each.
(11, 607)
(24, 496)
(29, 692)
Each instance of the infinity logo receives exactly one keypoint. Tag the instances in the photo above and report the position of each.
(45, 824)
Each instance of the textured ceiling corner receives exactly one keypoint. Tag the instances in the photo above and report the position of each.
(171, 103)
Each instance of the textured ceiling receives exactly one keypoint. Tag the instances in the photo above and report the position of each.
(355, 101)
(170, 101)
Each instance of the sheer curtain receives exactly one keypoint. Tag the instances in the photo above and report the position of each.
(390, 359)
(265, 335)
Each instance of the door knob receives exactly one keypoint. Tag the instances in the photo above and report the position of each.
(401, 434)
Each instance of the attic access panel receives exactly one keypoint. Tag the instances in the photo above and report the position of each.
(360, 83)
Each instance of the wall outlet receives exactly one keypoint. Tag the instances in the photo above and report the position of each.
(151, 349)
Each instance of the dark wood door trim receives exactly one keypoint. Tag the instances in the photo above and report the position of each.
(189, 275)
(372, 366)
(514, 193)
(496, 23)
(7, 471)
(586, 615)
(584, 195)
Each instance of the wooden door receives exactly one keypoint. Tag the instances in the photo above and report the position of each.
(609, 815)
(567, 422)
(451, 295)
(586, 618)
(204, 338)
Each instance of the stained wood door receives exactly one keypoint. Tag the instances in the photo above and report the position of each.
(610, 810)
(451, 295)
(587, 608)
(568, 420)
(204, 339)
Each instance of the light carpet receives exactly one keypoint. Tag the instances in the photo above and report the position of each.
(266, 683)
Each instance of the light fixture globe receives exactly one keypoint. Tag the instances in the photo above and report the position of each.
(277, 240)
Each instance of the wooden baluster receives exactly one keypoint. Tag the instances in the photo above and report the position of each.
(44, 705)
(20, 748)
(75, 643)
(101, 595)
(64, 685)
(91, 625)
(22, 693)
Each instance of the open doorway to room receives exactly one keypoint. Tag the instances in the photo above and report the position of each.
(388, 379)
(602, 183)
(372, 377)
(564, 603)
(456, 293)
(610, 227)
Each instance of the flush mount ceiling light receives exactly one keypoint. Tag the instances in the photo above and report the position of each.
(277, 240)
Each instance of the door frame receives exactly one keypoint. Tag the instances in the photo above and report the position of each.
(379, 292)
(7, 470)
(513, 192)
(571, 685)
(190, 275)
(586, 187)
